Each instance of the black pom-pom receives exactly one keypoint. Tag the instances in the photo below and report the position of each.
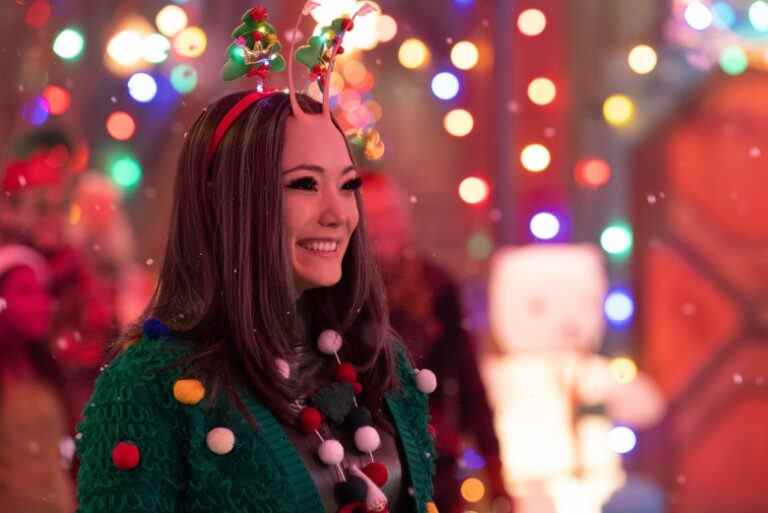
(359, 416)
(153, 328)
(334, 400)
(351, 490)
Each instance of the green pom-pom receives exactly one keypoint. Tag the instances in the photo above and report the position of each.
(277, 63)
(233, 70)
(335, 401)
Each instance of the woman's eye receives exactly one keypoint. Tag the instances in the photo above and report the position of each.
(353, 184)
(307, 183)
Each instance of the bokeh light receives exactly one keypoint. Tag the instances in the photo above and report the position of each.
(184, 78)
(69, 44)
(190, 42)
(642, 59)
(621, 439)
(617, 239)
(758, 15)
(535, 158)
(126, 47)
(121, 126)
(472, 489)
(413, 53)
(541, 91)
(734, 60)
(58, 99)
(464, 55)
(171, 20)
(142, 87)
(531, 22)
(156, 48)
(125, 170)
(473, 190)
(36, 111)
(458, 122)
(480, 246)
(354, 72)
(544, 226)
(38, 14)
(618, 109)
(623, 369)
(723, 14)
(592, 172)
(386, 28)
(698, 16)
(445, 85)
(619, 307)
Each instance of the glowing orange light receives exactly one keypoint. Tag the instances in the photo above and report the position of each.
(120, 125)
(592, 172)
(472, 490)
(58, 99)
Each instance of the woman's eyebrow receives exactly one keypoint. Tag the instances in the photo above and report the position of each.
(318, 169)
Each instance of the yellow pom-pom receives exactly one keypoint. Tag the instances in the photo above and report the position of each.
(432, 508)
(188, 391)
(271, 38)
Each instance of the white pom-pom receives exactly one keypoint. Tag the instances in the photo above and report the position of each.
(220, 440)
(329, 342)
(367, 439)
(283, 368)
(331, 452)
(426, 381)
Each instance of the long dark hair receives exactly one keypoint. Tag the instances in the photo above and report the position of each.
(227, 283)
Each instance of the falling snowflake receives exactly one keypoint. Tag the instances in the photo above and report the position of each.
(755, 152)
(651, 198)
(150, 261)
(738, 379)
(414, 199)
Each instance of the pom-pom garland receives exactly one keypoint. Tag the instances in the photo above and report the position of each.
(126, 455)
(329, 342)
(377, 472)
(346, 373)
(310, 420)
(220, 440)
(359, 416)
(188, 391)
(154, 328)
(426, 381)
(331, 452)
(367, 439)
(353, 489)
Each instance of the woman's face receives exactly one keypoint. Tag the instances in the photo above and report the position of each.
(319, 205)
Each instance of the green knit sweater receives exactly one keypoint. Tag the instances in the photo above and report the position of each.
(134, 401)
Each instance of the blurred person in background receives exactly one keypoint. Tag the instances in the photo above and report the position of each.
(425, 310)
(33, 420)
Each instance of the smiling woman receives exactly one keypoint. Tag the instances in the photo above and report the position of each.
(264, 374)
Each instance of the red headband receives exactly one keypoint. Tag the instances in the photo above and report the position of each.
(232, 115)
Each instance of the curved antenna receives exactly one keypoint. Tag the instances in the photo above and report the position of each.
(365, 9)
(298, 113)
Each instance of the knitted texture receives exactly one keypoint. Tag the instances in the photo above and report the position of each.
(133, 402)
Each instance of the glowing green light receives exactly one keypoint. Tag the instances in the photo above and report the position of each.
(617, 240)
(479, 246)
(184, 78)
(69, 44)
(734, 60)
(125, 171)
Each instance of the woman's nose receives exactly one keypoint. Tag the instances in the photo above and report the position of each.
(332, 209)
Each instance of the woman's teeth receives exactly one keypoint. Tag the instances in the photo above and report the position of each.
(323, 247)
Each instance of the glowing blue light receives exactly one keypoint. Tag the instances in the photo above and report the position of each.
(142, 87)
(622, 439)
(619, 307)
(471, 459)
(723, 14)
(698, 15)
(35, 111)
(463, 3)
(758, 15)
(545, 226)
(445, 85)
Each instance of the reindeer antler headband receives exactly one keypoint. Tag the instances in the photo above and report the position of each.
(255, 52)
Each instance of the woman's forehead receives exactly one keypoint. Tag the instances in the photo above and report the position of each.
(317, 142)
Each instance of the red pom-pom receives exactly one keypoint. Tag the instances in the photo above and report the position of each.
(258, 13)
(317, 69)
(257, 36)
(346, 373)
(310, 420)
(340, 50)
(377, 473)
(432, 431)
(358, 388)
(347, 24)
(126, 456)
